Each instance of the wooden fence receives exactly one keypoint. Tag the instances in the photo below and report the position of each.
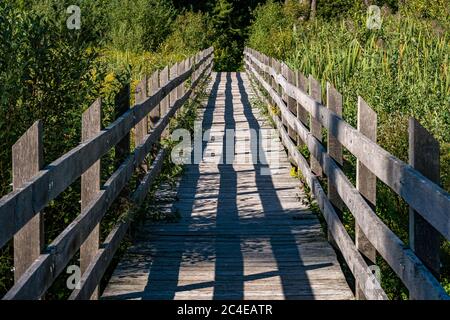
(300, 119)
(36, 266)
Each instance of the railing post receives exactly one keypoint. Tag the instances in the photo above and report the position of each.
(163, 79)
(155, 114)
(366, 183)
(141, 129)
(302, 114)
(173, 73)
(334, 104)
(90, 185)
(424, 156)
(27, 160)
(291, 102)
(186, 66)
(122, 105)
(315, 92)
(273, 82)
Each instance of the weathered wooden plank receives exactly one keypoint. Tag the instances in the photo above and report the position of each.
(366, 182)
(334, 103)
(90, 185)
(424, 156)
(154, 87)
(403, 261)
(427, 198)
(19, 206)
(27, 160)
(315, 92)
(122, 106)
(140, 95)
(302, 84)
(291, 102)
(42, 273)
(173, 73)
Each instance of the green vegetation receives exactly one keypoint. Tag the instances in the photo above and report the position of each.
(401, 70)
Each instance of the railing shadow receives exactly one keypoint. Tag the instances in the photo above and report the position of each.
(153, 288)
(270, 202)
(228, 247)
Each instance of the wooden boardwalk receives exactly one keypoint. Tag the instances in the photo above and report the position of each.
(244, 231)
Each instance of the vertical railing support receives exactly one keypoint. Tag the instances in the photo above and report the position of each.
(27, 160)
(303, 115)
(122, 105)
(153, 87)
(163, 79)
(90, 185)
(141, 129)
(140, 95)
(315, 92)
(334, 104)
(291, 102)
(366, 183)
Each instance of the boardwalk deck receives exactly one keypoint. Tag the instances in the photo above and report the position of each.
(244, 231)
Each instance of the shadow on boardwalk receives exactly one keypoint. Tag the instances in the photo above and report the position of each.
(243, 234)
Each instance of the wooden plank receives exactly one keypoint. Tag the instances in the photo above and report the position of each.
(291, 103)
(334, 103)
(173, 73)
(47, 267)
(90, 185)
(122, 106)
(426, 197)
(424, 156)
(19, 206)
(280, 240)
(366, 182)
(315, 92)
(302, 84)
(141, 129)
(27, 160)
(140, 95)
(402, 259)
(165, 103)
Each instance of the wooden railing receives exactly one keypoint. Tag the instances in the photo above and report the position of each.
(300, 121)
(158, 99)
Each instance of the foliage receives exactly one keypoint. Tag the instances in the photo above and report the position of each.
(138, 25)
(191, 32)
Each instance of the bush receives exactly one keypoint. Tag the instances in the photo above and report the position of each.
(191, 32)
